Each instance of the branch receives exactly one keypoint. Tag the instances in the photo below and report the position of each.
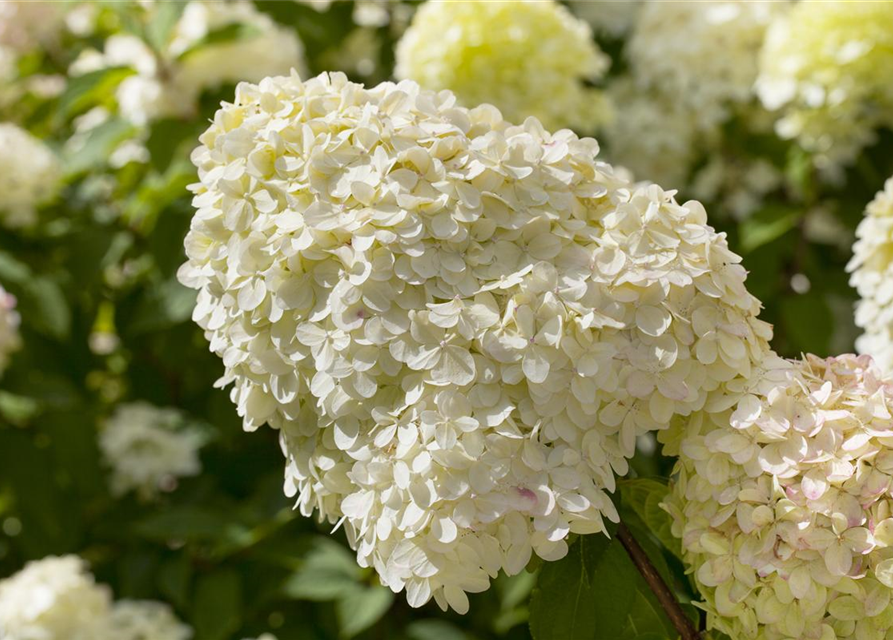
(664, 596)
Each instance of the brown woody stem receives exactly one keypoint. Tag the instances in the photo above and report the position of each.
(664, 596)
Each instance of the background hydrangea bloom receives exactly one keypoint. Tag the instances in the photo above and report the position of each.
(783, 504)
(828, 66)
(29, 176)
(872, 267)
(460, 326)
(701, 54)
(53, 599)
(144, 620)
(526, 58)
(168, 83)
(148, 447)
(9, 328)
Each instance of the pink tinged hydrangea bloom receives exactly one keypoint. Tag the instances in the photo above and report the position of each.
(783, 503)
(458, 325)
(10, 340)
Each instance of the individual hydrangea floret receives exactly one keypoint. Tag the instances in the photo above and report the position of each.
(783, 503)
(828, 66)
(10, 340)
(169, 83)
(460, 326)
(702, 56)
(29, 176)
(144, 620)
(53, 599)
(526, 58)
(872, 276)
(148, 448)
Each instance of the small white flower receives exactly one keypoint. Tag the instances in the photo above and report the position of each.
(147, 448)
(144, 620)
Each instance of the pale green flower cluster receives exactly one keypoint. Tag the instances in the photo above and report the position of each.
(168, 83)
(10, 340)
(872, 269)
(460, 326)
(29, 176)
(828, 66)
(701, 55)
(148, 448)
(783, 503)
(57, 599)
(526, 58)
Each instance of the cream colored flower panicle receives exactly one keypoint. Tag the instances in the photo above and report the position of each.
(460, 326)
(829, 67)
(702, 55)
(784, 508)
(144, 620)
(169, 83)
(29, 176)
(148, 448)
(10, 340)
(53, 599)
(526, 58)
(872, 276)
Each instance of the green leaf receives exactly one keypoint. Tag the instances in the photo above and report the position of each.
(174, 580)
(585, 596)
(164, 19)
(163, 306)
(808, 322)
(643, 496)
(434, 630)
(45, 309)
(218, 605)
(766, 225)
(328, 570)
(12, 271)
(90, 89)
(100, 143)
(359, 609)
(17, 409)
(188, 523)
(230, 33)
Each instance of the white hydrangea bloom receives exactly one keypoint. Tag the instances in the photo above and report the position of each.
(10, 340)
(25, 26)
(653, 137)
(783, 504)
(53, 599)
(144, 620)
(872, 269)
(148, 447)
(169, 84)
(29, 176)
(829, 66)
(610, 17)
(702, 55)
(460, 326)
(536, 61)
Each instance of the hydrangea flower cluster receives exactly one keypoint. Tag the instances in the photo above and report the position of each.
(144, 620)
(459, 326)
(148, 448)
(169, 83)
(29, 176)
(526, 58)
(872, 276)
(57, 599)
(10, 340)
(829, 67)
(24, 26)
(702, 55)
(783, 503)
(53, 599)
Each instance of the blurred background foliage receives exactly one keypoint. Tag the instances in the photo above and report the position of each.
(105, 322)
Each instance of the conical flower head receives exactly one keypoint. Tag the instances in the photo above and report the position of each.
(459, 326)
